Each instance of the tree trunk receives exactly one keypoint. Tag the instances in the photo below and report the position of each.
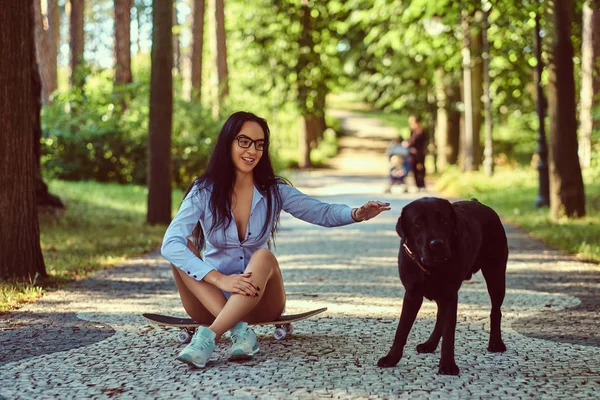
(161, 114)
(77, 42)
(307, 133)
(43, 196)
(454, 116)
(447, 131)
(590, 80)
(441, 128)
(42, 48)
(53, 44)
(222, 74)
(176, 44)
(320, 123)
(20, 252)
(477, 87)
(566, 184)
(123, 41)
(197, 48)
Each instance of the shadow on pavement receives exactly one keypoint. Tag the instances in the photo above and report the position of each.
(25, 334)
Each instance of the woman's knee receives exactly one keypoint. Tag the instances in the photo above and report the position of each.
(264, 256)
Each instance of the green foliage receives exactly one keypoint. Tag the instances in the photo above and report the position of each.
(276, 60)
(512, 193)
(91, 134)
(103, 224)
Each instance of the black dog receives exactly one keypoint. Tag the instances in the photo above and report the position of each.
(442, 245)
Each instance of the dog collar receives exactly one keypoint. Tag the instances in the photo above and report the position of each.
(414, 258)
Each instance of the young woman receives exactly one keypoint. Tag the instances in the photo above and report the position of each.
(231, 211)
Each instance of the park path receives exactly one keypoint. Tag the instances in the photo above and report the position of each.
(90, 341)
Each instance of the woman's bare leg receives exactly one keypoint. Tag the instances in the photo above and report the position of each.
(266, 307)
(202, 301)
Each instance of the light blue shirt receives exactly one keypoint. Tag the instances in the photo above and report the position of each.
(223, 250)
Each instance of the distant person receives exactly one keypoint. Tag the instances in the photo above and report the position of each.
(399, 164)
(417, 144)
(228, 276)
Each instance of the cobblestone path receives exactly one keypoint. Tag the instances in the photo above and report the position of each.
(90, 340)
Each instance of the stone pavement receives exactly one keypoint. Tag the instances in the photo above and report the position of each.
(90, 341)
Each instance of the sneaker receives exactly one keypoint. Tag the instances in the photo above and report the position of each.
(243, 342)
(200, 348)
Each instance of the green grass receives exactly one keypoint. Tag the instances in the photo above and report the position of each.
(512, 193)
(102, 225)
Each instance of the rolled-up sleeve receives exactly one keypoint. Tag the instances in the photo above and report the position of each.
(312, 210)
(174, 247)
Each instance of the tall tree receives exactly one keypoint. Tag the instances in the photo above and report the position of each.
(590, 79)
(43, 196)
(307, 58)
(47, 36)
(221, 54)
(123, 41)
(476, 32)
(176, 42)
(567, 197)
(197, 47)
(77, 42)
(161, 114)
(20, 252)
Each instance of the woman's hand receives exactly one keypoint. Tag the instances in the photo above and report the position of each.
(370, 210)
(234, 283)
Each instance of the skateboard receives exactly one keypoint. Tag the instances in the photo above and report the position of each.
(283, 325)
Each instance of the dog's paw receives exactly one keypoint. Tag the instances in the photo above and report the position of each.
(496, 347)
(448, 369)
(426, 347)
(388, 361)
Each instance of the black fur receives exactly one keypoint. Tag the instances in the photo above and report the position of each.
(447, 243)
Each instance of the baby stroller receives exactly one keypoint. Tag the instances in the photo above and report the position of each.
(399, 165)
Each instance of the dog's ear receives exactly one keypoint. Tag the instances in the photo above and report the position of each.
(399, 227)
(453, 219)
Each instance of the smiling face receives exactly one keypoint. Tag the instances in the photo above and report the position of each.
(246, 159)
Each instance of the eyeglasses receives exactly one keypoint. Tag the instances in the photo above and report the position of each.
(245, 142)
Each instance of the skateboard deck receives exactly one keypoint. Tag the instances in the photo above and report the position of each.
(188, 325)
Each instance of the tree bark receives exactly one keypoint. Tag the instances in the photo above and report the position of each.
(43, 197)
(41, 46)
(477, 87)
(590, 80)
(161, 114)
(567, 197)
(197, 48)
(123, 42)
(53, 44)
(77, 42)
(47, 36)
(20, 252)
(447, 131)
(176, 43)
(222, 73)
(307, 132)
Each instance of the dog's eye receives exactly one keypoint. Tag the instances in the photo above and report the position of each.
(418, 222)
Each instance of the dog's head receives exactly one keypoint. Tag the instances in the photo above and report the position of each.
(427, 226)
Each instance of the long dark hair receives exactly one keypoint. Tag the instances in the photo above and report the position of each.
(220, 173)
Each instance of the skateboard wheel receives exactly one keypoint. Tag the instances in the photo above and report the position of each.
(184, 336)
(279, 333)
(289, 329)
